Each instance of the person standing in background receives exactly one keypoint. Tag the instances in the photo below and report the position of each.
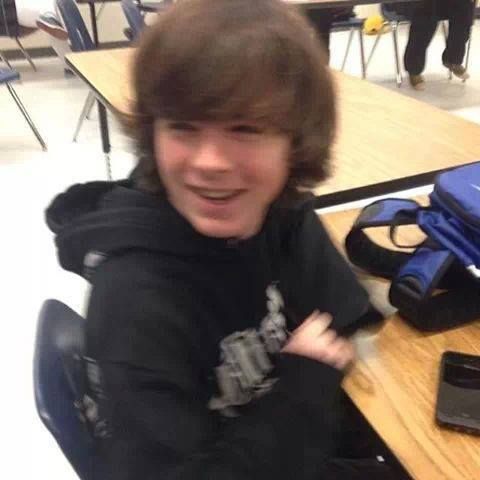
(425, 18)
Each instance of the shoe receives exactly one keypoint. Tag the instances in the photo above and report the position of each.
(458, 70)
(417, 82)
(48, 22)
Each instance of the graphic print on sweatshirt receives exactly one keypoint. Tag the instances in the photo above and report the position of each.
(246, 358)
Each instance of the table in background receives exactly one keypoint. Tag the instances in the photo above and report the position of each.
(395, 385)
(156, 6)
(386, 141)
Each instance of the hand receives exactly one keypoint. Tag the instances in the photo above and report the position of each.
(313, 339)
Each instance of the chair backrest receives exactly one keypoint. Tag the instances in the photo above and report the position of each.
(397, 12)
(8, 19)
(8, 75)
(80, 39)
(58, 355)
(134, 17)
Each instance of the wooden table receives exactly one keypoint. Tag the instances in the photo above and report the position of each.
(395, 384)
(386, 141)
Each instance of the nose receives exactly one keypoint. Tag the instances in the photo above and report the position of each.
(211, 153)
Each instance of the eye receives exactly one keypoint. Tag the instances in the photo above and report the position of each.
(247, 129)
(182, 126)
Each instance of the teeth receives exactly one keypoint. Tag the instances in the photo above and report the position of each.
(217, 195)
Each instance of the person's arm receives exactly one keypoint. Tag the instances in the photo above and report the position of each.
(152, 384)
(322, 278)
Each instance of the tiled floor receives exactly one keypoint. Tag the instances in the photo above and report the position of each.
(29, 178)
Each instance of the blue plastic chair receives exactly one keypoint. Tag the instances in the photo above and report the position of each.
(134, 18)
(81, 41)
(352, 24)
(7, 76)
(59, 348)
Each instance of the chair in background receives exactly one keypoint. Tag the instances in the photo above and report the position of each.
(134, 18)
(394, 19)
(7, 76)
(80, 41)
(59, 348)
(352, 24)
(9, 27)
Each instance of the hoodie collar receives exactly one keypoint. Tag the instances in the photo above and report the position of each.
(99, 219)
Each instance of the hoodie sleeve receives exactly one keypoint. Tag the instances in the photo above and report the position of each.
(319, 277)
(152, 396)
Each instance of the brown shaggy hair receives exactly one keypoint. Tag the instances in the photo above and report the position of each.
(218, 60)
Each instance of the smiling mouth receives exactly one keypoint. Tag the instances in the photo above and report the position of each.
(217, 196)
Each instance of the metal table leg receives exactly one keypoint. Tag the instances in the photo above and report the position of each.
(93, 20)
(102, 112)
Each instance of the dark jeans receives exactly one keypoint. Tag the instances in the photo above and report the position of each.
(360, 469)
(322, 19)
(357, 446)
(459, 14)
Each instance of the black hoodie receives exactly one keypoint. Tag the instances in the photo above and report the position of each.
(184, 333)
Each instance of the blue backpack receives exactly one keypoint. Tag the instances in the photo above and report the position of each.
(438, 285)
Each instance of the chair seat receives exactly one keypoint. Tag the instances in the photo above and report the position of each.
(396, 17)
(8, 75)
(353, 22)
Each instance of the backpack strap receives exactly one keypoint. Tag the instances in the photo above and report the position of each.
(416, 277)
(368, 255)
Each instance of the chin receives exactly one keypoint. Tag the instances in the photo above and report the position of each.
(219, 229)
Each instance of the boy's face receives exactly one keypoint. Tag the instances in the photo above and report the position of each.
(221, 176)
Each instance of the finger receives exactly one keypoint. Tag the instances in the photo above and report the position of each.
(333, 353)
(325, 338)
(318, 326)
(306, 322)
(315, 324)
(322, 344)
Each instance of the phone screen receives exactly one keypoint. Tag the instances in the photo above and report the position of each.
(458, 401)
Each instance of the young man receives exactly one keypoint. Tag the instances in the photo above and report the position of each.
(425, 18)
(206, 352)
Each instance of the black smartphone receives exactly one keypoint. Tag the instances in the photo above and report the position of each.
(458, 399)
